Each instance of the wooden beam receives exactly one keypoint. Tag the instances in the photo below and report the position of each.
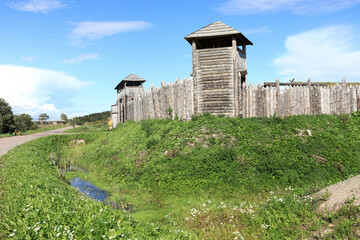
(271, 84)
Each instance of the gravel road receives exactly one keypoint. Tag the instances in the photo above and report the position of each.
(9, 143)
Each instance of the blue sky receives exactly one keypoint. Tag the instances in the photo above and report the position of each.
(66, 56)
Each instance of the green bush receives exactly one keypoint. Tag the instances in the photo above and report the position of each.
(23, 122)
(6, 117)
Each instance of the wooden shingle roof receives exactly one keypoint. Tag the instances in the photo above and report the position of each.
(217, 29)
(131, 78)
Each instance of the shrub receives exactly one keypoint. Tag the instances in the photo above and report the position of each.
(23, 122)
(6, 117)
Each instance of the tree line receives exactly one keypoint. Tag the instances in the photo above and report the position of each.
(101, 116)
(21, 122)
(24, 122)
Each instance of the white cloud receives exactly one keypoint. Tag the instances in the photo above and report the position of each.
(301, 7)
(27, 58)
(90, 31)
(36, 6)
(257, 31)
(33, 90)
(81, 58)
(325, 54)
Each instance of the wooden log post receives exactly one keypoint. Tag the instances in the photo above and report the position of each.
(241, 97)
(118, 107)
(310, 93)
(195, 97)
(236, 79)
(126, 108)
(357, 98)
(343, 99)
(278, 101)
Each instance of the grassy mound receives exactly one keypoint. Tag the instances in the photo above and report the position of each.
(218, 155)
(211, 177)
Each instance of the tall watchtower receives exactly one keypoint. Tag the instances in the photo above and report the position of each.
(126, 91)
(219, 68)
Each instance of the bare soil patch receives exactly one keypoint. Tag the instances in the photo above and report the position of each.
(335, 196)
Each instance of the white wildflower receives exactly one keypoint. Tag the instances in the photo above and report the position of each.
(264, 225)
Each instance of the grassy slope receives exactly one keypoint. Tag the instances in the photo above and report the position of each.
(209, 154)
(35, 203)
(161, 165)
(217, 177)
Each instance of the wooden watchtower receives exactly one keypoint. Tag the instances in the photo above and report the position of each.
(126, 91)
(219, 68)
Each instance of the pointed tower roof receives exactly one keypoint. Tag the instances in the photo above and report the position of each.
(217, 29)
(131, 78)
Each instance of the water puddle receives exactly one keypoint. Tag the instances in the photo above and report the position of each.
(95, 192)
(89, 190)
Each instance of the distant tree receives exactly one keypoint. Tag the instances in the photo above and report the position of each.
(43, 117)
(6, 117)
(101, 116)
(74, 121)
(64, 117)
(23, 122)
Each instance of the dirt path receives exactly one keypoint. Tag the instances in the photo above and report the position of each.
(9, 143)
(339, 194)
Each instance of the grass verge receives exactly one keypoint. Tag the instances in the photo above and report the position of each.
(211, 177)
(41, 129)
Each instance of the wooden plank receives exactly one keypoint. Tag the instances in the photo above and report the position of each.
(271, 84)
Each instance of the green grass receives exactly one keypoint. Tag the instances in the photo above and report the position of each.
(211, 177)
(41, 129)
(98, 126)
(5, 135)
(36, 204)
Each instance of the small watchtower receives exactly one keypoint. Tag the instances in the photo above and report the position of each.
(219, 68)
(126, 91)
